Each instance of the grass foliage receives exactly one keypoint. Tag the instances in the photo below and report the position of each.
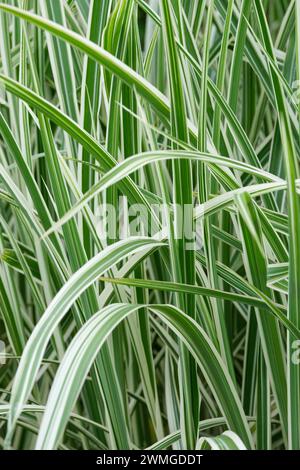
(131, 340)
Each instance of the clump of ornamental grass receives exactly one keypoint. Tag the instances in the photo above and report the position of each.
(150, 224)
